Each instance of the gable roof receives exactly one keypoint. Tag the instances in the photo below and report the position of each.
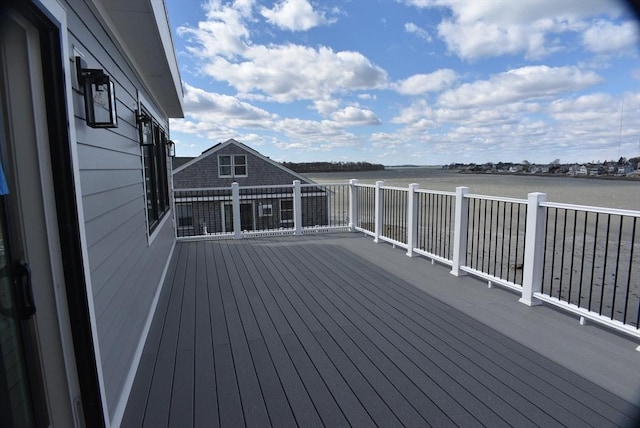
(215, 149)
(177, 161)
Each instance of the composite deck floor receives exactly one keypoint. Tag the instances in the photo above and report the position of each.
(331, 331)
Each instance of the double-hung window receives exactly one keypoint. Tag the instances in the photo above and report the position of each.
(184, 214)
(154, 152)
(232, 166)
(286, 211)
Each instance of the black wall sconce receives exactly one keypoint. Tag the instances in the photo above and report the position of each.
(171, 148)
(99, 96)
(145, 123)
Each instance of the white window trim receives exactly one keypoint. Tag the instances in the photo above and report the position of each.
(233, 166)
(265, 207)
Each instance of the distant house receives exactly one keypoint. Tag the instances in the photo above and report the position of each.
(582, 170)
(269, 206)
(624, 170)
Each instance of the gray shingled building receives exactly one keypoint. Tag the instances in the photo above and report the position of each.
(267, 207)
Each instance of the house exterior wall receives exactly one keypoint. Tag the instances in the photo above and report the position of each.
(208, 215)
(125, 265)
(204, 173)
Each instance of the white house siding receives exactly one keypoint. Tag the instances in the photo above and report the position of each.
(125, 269)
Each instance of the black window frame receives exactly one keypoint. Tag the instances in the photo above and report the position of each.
(155, 171)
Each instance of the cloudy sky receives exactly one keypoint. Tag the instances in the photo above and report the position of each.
(410, 81)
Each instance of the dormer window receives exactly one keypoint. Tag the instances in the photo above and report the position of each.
(232, 166)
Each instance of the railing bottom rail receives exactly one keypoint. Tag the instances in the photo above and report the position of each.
(493, 279)
(585, 314)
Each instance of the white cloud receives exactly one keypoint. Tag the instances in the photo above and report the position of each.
(423, 83)
(412, 28)
(314, 135)
(294, 15)
(207, 109)
(198, 101)
(354, 116)
(608, 38)
(286, 73)
(476, 29)
(373, 96)
(520, 84)
(326, 106)
(222, 33)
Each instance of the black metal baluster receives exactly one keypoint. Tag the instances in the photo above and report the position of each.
(593, 260)
(615, 280)
(573, 252)
(626, 303)
(604, 269)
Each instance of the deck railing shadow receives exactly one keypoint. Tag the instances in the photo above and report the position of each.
(585, 260)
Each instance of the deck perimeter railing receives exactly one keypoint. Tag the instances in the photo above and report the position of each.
(583, 259)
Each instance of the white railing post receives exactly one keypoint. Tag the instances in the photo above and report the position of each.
(412, 218)
(461, 223)
(297, 207)
(379, 207)
(533, 249)
(353, 204)
(235, 202)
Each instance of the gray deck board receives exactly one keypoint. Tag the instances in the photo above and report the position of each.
(486, 381)
(205, 406)
(333, 330)
(551, 383)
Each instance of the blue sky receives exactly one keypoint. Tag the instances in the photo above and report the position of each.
(423, 82)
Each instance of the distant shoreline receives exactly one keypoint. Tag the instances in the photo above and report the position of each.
(544, 174)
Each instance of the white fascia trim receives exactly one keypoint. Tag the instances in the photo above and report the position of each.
(162, 21)
(59, 14)
(110, 27)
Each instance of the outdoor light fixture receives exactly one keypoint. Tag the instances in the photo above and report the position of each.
(145, 122)
(171, 148)
(99, 96)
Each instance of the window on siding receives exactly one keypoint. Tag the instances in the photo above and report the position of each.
(154, 151)
(286, 211)
(184, 213)
(232, 166)
(265, 210)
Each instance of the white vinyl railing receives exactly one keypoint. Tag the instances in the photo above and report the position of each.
(583, 259)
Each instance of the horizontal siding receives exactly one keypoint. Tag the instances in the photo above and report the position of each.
(95, 205)
(99, 158)
(128, 310)
(99, 228)
(125, 268)
(99, 181)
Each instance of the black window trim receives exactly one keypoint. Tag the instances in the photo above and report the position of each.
(156, 184)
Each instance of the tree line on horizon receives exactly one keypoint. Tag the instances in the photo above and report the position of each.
(302, 167)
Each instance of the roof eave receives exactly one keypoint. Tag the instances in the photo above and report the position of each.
(142, 29)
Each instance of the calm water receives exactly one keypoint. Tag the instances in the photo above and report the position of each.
(581, 191)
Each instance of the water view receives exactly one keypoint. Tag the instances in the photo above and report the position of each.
(620, 194)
